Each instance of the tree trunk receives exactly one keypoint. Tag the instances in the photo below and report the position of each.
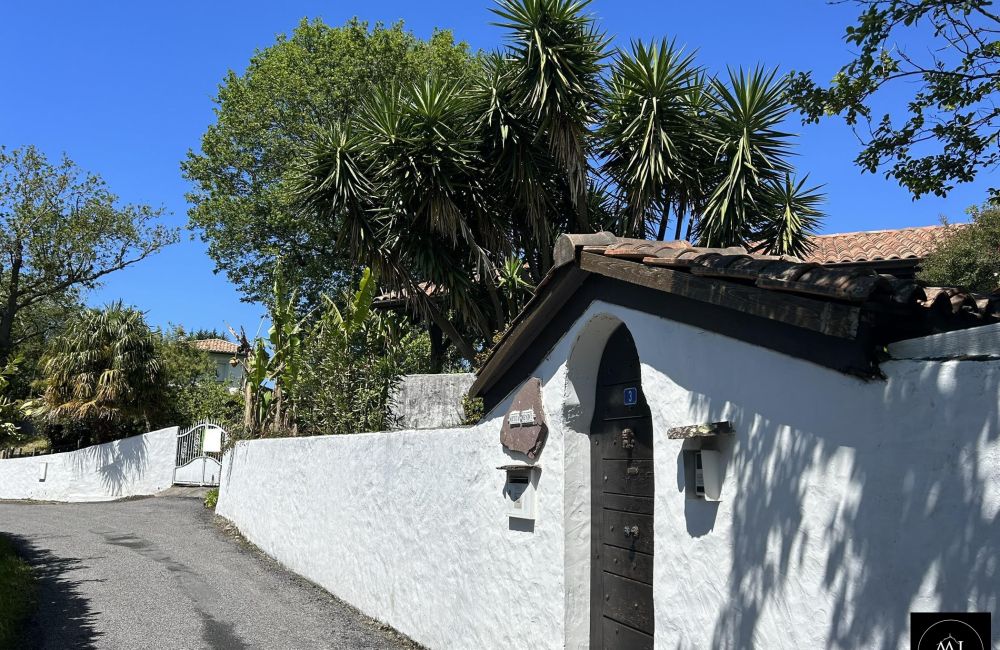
(663, 225)
(437, 347)
(9, 312)
(463, 346)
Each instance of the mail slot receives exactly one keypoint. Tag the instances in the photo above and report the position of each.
(519, 490)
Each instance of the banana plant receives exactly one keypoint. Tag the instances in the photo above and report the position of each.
(272, 367)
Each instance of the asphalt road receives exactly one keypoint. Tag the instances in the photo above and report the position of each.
(158, 573)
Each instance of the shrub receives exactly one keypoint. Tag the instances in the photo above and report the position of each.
(17, 594)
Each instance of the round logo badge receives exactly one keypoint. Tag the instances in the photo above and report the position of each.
(950, 634)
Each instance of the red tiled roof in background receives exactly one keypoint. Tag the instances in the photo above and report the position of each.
(878, 245)
(215, 345)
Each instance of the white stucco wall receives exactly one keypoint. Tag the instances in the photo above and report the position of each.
(846, 504)
(410, 527)
(140, 465)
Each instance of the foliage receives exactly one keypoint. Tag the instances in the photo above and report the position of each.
(473, 409)
(353, 358)
(970, 257)
(707, 152)
(558, 50)
(212, 498)
(17, 594)
(61, 231)
(947, 132)
(272, 368)
(440, 184)
(193, 391)
(103, 376)
(11, 412)
(306, 80)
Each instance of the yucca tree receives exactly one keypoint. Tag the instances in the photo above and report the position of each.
(794, 215)
(651, 138)
(404, 183)
(707, 150)
(558, 52)
(751, 151)
(435, 186)
(103, 372)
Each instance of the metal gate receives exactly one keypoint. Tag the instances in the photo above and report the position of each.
(199, 454)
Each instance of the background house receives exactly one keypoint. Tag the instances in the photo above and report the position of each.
(222, 353)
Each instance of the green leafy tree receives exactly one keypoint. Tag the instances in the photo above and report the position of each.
(102, 376)
(945, 56)
(436, 183)
(305, 81)
(970, 256)
(61, 232)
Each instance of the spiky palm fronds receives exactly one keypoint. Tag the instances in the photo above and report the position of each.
(103, 371)
(649, 136)
(793, 218)
(751, 151)
(559, 52)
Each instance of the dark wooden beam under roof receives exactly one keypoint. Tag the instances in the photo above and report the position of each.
(829, 318)
(838, 318)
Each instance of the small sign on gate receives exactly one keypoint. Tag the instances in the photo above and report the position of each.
(212, 442)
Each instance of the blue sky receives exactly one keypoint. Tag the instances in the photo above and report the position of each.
(125, 89)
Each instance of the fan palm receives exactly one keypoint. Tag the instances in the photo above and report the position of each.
(103, 371)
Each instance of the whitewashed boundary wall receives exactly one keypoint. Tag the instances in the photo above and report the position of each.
(410, 527)
(135, 466)
(846, 503)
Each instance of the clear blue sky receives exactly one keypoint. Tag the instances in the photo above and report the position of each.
(125, 89)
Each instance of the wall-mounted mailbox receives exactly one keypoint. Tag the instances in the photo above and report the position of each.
(703, 460)
(707, 475)
(212, 441)
(519, 490)
(43, 470)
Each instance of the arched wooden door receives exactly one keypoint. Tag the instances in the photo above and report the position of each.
(621, 610)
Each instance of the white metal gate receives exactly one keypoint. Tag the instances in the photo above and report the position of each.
(199, 454)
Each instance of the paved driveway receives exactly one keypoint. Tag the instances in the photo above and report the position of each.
(157, 573)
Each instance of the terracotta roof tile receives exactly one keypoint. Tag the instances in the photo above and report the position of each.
(810, 277)
(215, 345)
(878, 245)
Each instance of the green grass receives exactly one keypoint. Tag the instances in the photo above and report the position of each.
(212, 498)
(17, 594)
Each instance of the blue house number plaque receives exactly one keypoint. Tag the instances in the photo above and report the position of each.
(631, 396)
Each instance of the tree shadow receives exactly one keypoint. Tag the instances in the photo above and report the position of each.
(853, 503)
(63, 618)
(118, 463)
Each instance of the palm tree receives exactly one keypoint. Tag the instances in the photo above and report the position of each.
(436, 186)
(650, 138)
(103, 372)
(558, 52)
